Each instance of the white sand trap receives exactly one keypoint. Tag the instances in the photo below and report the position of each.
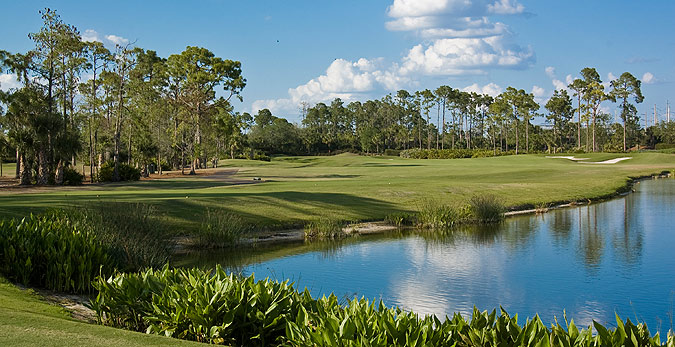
(565, 157)
(610, 161)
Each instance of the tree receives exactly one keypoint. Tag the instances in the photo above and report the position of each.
(623, 88)
(560, 112)
(578, 86)
(195, 73)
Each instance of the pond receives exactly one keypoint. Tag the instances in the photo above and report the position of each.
(589, 261)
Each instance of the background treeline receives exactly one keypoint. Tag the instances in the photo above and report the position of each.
(128, 112)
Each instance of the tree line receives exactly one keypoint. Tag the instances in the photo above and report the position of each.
(80, 102)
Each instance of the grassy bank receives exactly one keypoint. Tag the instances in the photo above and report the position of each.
(27, 320)
(296, 190)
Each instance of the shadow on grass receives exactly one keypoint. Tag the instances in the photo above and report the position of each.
(183, 210)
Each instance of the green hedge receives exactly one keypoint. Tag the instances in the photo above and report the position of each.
(49, 251)
(127, 172)
(416, 153)
(216, 307)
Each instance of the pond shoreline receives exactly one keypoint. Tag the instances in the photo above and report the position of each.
(295, 235)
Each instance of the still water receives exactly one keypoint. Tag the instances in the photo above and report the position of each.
(591, 261)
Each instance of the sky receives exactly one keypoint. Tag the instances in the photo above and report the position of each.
(314, 51)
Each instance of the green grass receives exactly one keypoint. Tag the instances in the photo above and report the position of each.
(27, 320)
(349, 187)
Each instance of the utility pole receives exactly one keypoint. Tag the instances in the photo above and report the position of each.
(654, 115)
(667, 112)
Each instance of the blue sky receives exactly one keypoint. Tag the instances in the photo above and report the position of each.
(294, 51)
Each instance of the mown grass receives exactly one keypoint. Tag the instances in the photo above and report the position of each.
(27, 320)
(297, 190)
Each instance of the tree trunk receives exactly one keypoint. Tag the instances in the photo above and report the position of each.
(527, 135)
(18, 169)
(516, 136)
(593, 131)
(43, 166)
(58, 175)
(25, 174)
(579, 125)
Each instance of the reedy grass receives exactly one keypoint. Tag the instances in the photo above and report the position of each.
(325, 228)
(220, 229)
(486, 208)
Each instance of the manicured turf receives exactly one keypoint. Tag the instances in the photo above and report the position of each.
(26, 320)
(351, 187)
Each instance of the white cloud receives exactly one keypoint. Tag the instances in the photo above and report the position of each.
(648, 78)
(506, 7)
(550, 71)
(91, 35)
(343, 79)
(460, 56)
(8, 81)
(118, 40)
(557, 84)
(611, 77)
(489, 89)
(540, 94)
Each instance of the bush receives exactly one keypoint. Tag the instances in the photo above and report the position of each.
(664, 146)
(220, 308)
(262, 157)
(486, 208)
(220, 229)
(127, 172)
(437, 215)
(71, 177)
(325, 228)
(50, 251)
(416, 153)
(392, 152)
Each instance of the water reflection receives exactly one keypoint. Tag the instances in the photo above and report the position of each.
(591, 260)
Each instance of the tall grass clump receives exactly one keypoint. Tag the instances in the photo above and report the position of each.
(486, 208)
(436, 215)
(220, 229)
(133, 232)
(50, 251)
(216, 307)
(400, 219)
(325, 228)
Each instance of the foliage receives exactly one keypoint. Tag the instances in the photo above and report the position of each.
(416, 153)
(486, 208)
(220, 229)
(262, 157)
(214, 307)
(325, 228)
(133, 235)
(400, 219)
(392, 152)
(437, 215)
(52, 252)
(71, 177)
(126, 172)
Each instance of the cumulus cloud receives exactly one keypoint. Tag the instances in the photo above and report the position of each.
(489, 89)
(648, 78)
(463, 56)
(459, 39)
(118, 40)
(558, 84)
(90, 35)
(8, 81)
(343, 79)
(506, 7)
(540, 94)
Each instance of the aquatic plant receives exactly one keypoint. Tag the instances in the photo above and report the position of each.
(220, 229)
(400, 219)
(486, 208)
(221, 308)
(50, 251)
(325, 228)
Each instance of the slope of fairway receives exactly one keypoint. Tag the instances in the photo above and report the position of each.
(351, 187)
(26, 320)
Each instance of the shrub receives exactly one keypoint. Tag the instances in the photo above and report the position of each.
(71, 177)
(262, 157)
(216, 307)
(416, 153)
(664, 145)
(52, 252)
(220, 229)
(392, 152)
(127, 172)
(325, 228)
(486, 208)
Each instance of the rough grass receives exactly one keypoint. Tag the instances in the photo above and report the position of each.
(26, 320)
(297, 190)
